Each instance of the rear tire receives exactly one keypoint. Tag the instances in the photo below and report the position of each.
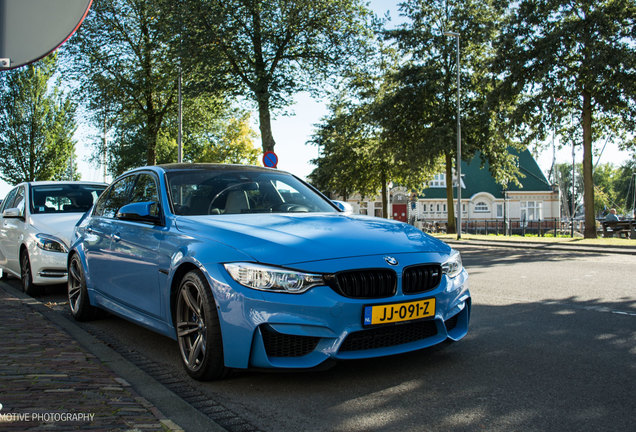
(26, 276)
(81, 308)
(198, 329)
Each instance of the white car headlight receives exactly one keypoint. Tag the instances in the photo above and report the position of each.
(267, 278)
(50, 243)
(453, 266)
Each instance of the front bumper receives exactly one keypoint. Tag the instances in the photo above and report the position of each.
(274, 330)
(47, 268)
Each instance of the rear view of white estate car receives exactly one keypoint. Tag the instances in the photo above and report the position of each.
(36, 226)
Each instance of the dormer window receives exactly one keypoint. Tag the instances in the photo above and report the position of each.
(481, 207)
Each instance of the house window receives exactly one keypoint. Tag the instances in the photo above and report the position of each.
(438, 207)
(499, 210)
(438, 181)
(531, 210)
(481, 207)
(444, 207)
(424, 208)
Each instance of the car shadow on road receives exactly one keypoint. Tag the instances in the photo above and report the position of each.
(552, 365)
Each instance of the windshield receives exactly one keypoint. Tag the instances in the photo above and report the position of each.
(217, 192)
(64, 198)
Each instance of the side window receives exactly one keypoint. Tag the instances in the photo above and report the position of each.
(116, 197)
(145, 190)
(19, 200)
(8, 200)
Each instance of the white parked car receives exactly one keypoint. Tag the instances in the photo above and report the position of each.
(36, 227)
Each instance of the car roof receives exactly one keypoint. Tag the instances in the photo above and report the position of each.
(50, 183)
(213, 167)
(203, 166)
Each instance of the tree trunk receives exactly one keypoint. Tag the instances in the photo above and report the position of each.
(385, 201)
(265, 123)
(588, 181)
(450, 227)
(151, 137)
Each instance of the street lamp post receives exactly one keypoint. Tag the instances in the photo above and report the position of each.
(179, 123)
(459, 143)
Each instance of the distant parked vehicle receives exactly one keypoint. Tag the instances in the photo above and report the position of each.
(36, 225)
(250, 267)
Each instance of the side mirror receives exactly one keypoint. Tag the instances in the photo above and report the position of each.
(12, 213)
(343, 206)
(140, 212)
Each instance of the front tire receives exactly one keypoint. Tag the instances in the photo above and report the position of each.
(26, 276)
(198, 329)
(81, 308)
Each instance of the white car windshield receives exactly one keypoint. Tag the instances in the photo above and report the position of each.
(64, 198)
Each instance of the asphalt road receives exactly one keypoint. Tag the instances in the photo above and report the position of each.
(551, 347)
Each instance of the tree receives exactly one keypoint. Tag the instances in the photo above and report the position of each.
(424, 105)
(570, 59)
(268, 50)
(37, 122)
(210, 136)
(624, 185)
(125, 60)
(563, 178)
(357, 151)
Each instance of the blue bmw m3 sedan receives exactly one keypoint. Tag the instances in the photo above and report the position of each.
(249, 267)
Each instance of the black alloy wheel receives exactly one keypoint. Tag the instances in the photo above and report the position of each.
(26, 276)
(81, 308)
(198, 329)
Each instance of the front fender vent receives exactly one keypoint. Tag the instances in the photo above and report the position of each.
(285, 345)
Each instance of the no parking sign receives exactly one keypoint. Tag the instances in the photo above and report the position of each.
(270, 160)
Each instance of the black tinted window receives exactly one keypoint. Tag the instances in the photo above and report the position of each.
(115, 198)
(218, 192)
(145, 190)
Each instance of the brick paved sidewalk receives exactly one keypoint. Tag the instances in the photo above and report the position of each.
(49, 382)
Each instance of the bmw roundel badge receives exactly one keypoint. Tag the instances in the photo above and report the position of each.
(391, 260)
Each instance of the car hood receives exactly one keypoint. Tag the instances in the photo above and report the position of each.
(60, 225)
(285, 239)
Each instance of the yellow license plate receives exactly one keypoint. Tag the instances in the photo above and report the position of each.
(398, 312)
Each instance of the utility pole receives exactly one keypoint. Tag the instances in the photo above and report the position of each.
(573, 197)
(459, 142)
(180, 121)
(104, 149)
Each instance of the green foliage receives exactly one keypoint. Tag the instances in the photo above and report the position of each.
(268, 50)
(563, 178)
(37, 123)
(124, 59)
(226, 140)
(400, 121)
(570, 66)
(621, 187)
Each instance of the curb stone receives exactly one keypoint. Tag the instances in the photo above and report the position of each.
(622, 250)
(163, 409)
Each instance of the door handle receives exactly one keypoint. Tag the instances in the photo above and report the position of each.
(116, 237)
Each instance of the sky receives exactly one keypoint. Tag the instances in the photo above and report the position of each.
(292, 132)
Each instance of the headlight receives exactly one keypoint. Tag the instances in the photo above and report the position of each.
(267, 278)
(50, 243)
(453, 266)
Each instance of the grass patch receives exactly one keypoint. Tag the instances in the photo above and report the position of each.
(536, 239)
